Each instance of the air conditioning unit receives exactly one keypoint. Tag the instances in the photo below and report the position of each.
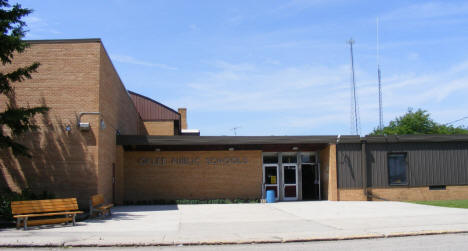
(84, 126)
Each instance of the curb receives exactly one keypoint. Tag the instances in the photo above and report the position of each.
(271, 241)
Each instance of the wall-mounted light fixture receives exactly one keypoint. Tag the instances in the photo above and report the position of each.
(295, 148)
(231, 149)
(85, 126)
(157, 150)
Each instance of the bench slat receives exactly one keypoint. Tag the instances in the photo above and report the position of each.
(105, 206)
(97, 199)
(46, 214)
(36, 206)
(47, 221)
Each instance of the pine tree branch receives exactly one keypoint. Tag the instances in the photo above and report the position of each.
(19, 119)
(18, 75)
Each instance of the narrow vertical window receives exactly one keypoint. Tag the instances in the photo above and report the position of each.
(397, 169)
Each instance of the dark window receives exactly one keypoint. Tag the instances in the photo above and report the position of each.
(289, 174)
(308, 158)
(289, 158)
(270, 159)
(397, 169)
(270, 175)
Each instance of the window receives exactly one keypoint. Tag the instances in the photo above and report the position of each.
(270, 158)
(397, 169)
(308, 158)
(289, 158)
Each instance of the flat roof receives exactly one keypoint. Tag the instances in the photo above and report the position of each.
(143, 140)
(434, 138)
(58, 41)
(222, 140)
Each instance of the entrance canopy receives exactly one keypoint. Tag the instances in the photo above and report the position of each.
(191, 143)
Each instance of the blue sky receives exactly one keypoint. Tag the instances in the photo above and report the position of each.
(276, 67)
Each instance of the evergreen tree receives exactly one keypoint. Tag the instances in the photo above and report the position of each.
(14, 120)
(418, 122)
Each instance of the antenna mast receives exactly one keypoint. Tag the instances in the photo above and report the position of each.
(235, 129)
(354, 104)
(379, 77)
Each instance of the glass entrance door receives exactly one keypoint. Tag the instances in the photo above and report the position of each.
(290, 181)
(270, 172)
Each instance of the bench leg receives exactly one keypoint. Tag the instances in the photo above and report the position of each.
(18, 223)
(73, 218)
(25, 222)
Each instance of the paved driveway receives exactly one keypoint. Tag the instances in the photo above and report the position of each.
(233, 223)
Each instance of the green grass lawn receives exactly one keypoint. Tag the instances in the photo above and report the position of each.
(445, 203)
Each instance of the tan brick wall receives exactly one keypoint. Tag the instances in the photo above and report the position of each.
(72, 78)
(119, 176)
(328, 173)
(351, 195)
(192, 175)
(160, 128)
(183, 118)
(119, 114)
(422, 193)
(67, 81)
(407, 193)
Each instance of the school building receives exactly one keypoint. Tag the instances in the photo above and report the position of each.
(98, 137)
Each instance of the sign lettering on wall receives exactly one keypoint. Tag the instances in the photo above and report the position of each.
(190, 161)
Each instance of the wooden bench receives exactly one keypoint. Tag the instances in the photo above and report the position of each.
(23, 210)
(97, 205)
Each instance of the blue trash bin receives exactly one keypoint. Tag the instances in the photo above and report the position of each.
(270, 196)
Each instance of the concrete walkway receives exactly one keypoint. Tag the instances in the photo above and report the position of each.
(245, 223)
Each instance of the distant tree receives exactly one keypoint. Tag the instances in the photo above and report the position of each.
(418, 122)
(14, 120)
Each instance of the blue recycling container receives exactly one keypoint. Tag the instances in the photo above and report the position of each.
(270, 196)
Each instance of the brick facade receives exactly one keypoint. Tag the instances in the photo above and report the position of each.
(406, 194)
(73, 77)
(192, 175)
(161, 128)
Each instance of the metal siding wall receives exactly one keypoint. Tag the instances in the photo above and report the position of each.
(349, 165)
(150, 110)
(428, 163)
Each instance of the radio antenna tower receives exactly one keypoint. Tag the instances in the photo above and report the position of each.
(379, 77)
(235, 129)
(355, 126)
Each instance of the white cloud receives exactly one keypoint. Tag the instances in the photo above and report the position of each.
(427, 10)
(193, 27)
(413, 56)
(289, 7)
(316, 96)
(39, 28)
(131, 60)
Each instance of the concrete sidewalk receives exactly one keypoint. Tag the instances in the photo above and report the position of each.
(245, 223)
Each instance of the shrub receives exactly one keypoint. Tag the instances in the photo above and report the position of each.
(185, 201)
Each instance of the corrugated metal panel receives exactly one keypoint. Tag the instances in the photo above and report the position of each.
(349, 165)
(428, 163)
(151, 110)
(436, 163)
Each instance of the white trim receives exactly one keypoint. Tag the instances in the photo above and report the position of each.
(290, 185)
(271, 185)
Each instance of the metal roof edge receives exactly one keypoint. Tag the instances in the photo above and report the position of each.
(152, 100)
(222, 140)
(59, 41)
